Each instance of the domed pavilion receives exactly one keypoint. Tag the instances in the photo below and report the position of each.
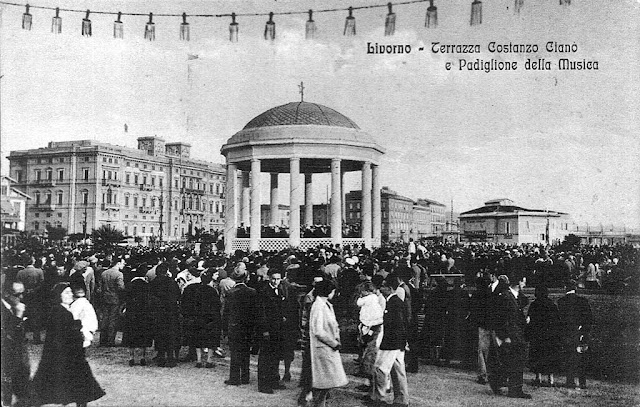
(301, 139)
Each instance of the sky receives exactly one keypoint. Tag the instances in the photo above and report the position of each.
(547, 139)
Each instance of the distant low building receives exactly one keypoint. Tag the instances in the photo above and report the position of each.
(500, 221)
(402, 217)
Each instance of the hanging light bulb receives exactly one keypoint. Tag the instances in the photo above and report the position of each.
(86, 25)
(476, 12)
(150, 29)
(233, 29)
(350, 24)
(270, 29)
(310, 30)
(118, 27)
(518, 5)
(56, 23)
(184, 28)
(390, 21)
(432, 16)
(26, 19)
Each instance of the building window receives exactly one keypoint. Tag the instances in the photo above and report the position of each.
(37, 194)
(38, 175)
(85, 197)
(127, 178)
(85, 174)
(176, 183)
(144, 201)
(507, 227)
(135, 230)
(160, 183)
(144, 228)
(36, 225)
(60, 198)
(47, 198)
(151, 230)
(126, 200)
(135, 179)
(60, 175)
(135, 202)
(126, 230)
(19, 175)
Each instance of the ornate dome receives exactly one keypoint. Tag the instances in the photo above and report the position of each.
(301, 113)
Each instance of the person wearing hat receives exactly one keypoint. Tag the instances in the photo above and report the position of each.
(239, 313)
(83, 311)
(510, 326)
(63, 375)
(137, 332)
(15, 358)
(576, 320)
(81, 268)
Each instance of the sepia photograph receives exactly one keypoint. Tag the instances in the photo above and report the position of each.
(320, 203)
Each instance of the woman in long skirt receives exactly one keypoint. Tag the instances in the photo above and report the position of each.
(64, 376)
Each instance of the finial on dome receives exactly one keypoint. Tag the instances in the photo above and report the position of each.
(301, 91)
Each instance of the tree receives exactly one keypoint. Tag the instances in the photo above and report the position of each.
(107, 236)
(570, 242)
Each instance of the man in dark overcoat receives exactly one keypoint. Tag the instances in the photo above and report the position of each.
(576, 320)
(15, 359)
(271, 302)
(239, 316)
(510, 326)
(32, 278)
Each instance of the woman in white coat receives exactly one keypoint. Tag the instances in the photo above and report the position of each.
(327, 371)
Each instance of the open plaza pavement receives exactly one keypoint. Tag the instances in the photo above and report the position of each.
(186, 385)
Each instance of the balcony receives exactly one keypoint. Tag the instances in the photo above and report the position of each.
(110, 207)
(146, 187)
(147, 210)
(191, 212)
(44, 182)
(45, 206)
(185, 190)
(111, 183)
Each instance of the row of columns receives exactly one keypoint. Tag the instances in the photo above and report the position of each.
(248, 208)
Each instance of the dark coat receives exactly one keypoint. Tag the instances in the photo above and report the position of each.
(239, 313)
(511, 323)
(456, 324)
(138, 327)
(394, 325)
(575, 321)
(271, 311)
(64, 376)
(544, 336)
(200, 307)
(165, 295)
(15, 359)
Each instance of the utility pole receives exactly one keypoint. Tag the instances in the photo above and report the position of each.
(84, 223)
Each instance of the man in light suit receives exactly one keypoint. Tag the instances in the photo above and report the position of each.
(111, 291)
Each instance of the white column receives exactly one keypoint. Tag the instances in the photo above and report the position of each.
(231, 209)
(343, 204)
(336, 202)
(295, 200)
(366, 203)
(256, 225)
(246, 198)
(376, 207)
(274, 204)
(308, 199)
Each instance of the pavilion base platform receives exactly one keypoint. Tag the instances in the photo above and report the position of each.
(282, 243)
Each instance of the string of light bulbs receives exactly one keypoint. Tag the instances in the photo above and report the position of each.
(431, 19)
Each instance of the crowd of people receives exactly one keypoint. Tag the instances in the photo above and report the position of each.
(399, 296)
